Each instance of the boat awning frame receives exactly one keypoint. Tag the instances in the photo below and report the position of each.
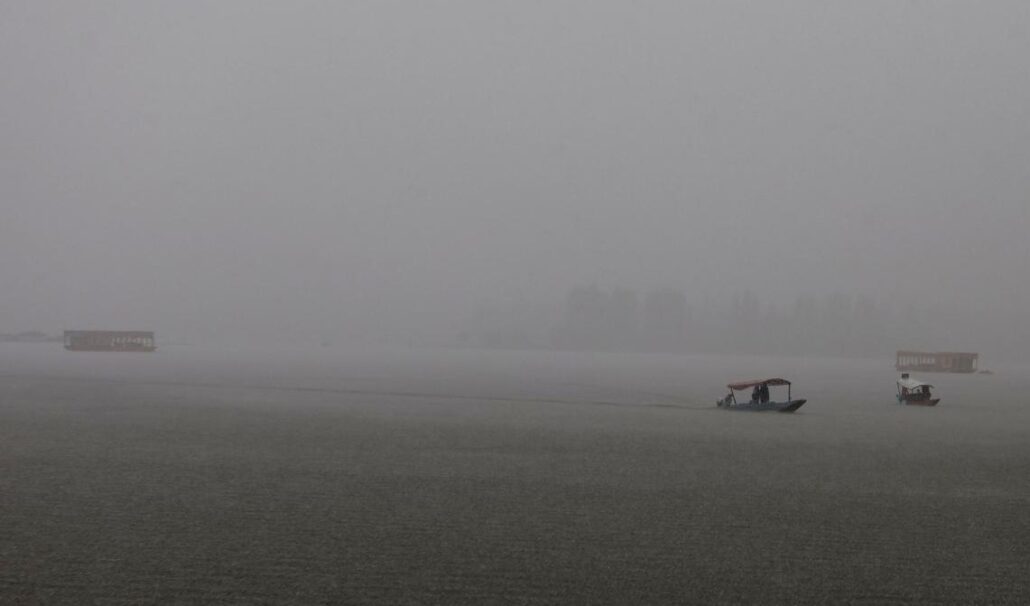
(912, 384)
(742, 385)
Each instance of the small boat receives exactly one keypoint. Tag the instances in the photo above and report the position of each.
(760, 401)
(914, 392)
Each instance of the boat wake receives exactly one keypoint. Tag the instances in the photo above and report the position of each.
(675, 403)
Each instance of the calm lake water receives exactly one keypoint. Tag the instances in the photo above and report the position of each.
(216, 476)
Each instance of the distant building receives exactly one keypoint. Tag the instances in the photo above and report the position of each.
(941, 361)
(109, 340)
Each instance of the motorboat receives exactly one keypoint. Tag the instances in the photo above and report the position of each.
(915, 392)
(760, 400)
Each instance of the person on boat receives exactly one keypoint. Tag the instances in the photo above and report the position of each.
(763, 393)
(756, 394)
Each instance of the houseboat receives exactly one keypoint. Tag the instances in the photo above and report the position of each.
(940, 361)
(109, 340)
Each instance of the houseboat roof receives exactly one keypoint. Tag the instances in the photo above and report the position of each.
(913, 352)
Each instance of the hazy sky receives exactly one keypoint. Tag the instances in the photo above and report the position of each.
(237, 165)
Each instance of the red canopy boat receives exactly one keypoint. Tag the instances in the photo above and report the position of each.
(760, 400)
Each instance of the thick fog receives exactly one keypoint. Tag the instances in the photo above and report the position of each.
(479, 173)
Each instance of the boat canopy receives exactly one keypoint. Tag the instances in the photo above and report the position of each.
(742, 385)
(909, 383)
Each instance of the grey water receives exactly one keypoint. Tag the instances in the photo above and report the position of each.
(195, 475)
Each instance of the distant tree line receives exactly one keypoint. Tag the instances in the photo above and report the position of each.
(665, 320)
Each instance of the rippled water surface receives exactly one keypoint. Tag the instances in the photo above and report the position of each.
(217, 476)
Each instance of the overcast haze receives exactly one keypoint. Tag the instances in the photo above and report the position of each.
(267, 168)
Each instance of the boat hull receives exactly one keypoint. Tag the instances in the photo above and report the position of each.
(930, 402)
(789, 406)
